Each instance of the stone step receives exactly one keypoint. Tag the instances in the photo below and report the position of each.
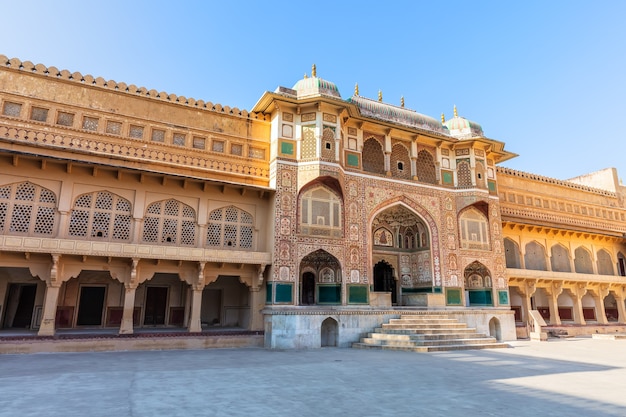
(417, 337)
(439, 348)
(467, 330)
(422, 321)
(454, 325)
(445, 342)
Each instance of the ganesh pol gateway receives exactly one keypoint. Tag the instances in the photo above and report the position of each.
(137, 219)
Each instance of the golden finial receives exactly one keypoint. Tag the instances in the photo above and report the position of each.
(356, 89)
(402, 101)
(313, 71)
(380, 96)
(305, 76)
(455, 113)
(443, 118)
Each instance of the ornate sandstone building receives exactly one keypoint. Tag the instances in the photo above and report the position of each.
(305, 222)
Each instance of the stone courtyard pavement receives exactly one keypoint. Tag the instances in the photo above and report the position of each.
(569, 377)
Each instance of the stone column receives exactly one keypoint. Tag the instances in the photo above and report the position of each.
(618, 294)
(578, 292)
(195, 324)
(127, 325)
(195, 318)
(256, 302)
(388, 164)
(526, 289)
(598, 295)
(49, 313)
(51, 299)
(553, 291)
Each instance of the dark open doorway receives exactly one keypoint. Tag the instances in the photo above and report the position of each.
(308, 288)
(90, 306)
(383, 280)
(19, 306)
(156, 306)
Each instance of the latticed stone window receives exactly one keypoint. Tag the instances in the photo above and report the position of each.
(179, 139)
(65, 119)
(309, 146)
(328, 143)
(170, 222)
(101, 215)
(11, 109)
(39, 114)
(158, 135)
(535, 257)
(113, 128)
(236, 149)
(400, 162)
(474, 230)
(425, 164)
(481, 181)
(217, 146)
(373, 157)
(464, 174)
(26, 208)
(230, 228)
(90, 123)
(582, 261)
(320, 213)
(136, 132)
(199, 143)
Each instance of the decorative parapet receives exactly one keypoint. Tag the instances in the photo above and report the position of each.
(515, 275)
(100, 82)
(129, 250)
(542, 218)
(103, 146)
(548, 180)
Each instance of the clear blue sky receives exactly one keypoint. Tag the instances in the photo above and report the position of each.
(545, 77)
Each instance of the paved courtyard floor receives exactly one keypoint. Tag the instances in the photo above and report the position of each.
(569, 377)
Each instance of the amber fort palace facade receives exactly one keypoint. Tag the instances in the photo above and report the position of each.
(308, 220)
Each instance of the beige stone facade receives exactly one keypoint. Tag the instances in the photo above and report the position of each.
(312, 218)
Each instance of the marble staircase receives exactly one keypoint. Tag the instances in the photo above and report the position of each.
(427, 333)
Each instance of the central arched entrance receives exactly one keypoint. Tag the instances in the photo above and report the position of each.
(478, 285)
(384, 281)
(401, 254)
(320, 279)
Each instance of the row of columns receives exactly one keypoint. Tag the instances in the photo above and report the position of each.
(577, 291)
(53, 285)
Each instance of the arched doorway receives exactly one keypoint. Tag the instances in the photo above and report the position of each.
(329, 333)
(383, 280)
(401, 253)
(478, 285)
(320, 279)
(495, 330)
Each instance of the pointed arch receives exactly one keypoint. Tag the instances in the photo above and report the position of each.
(230, 228)
(321, 210)
(320, 279)
(560, 258)
(373, 156)
(464, 174)
(425, 167)
(535, 257)
(101, 215)
(27, 209)
(512, 254)
(400, 162)
(478, 284)
(582, 261)
(474, 228)
(170, 222)
(604, 263)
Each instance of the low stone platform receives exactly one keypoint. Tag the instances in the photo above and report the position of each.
(100, 342)
(617, 336)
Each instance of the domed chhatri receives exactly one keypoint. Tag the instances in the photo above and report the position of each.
(462, 128)
(314, 86)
